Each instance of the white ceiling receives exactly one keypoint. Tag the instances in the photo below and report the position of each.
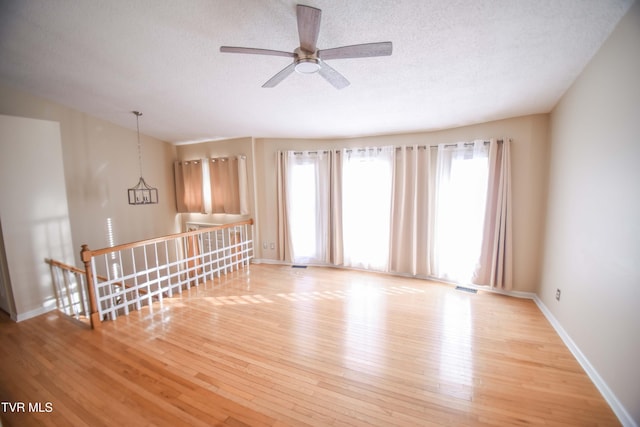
(454, 62)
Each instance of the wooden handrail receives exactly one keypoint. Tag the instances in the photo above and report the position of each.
(71, 268)
(96, 252)
(64, 266)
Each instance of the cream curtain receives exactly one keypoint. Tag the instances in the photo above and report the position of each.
(496, 259)
(189, 186)
(336, 254)
(243, 185)
(228, 183)
(412, 211)
(284, 237)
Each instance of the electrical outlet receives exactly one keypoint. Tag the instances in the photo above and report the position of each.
(264, 245)
(272, 246)
(558, 294)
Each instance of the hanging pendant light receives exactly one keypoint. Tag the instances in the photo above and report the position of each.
(141, 194)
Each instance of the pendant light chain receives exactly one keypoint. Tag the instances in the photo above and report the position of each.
(141, 193)
(138, 114)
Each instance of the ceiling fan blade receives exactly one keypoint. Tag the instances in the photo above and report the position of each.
(283, 74)
(336, 79)
(308, 26)
(250, 50)
(357, 51)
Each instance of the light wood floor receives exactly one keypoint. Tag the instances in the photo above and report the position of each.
(282, 346)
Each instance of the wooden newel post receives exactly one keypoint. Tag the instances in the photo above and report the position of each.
(85, 255)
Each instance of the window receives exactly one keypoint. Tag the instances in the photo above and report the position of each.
(217, 185)
(461, 193)
(347, 207)
(366, 207)
(307, 182)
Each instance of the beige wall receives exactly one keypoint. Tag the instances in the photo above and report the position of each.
(592, 249)
(34, 213)
(529, 165)
(100, 163)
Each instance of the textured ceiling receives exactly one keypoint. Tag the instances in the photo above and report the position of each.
(454, 62)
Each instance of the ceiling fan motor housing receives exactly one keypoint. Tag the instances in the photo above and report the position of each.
(306, 63)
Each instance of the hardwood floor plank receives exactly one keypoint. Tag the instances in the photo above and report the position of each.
(275, 346)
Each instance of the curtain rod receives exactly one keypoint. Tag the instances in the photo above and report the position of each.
(466, 144)
(225, 158)
(347, 150)
(239, 156)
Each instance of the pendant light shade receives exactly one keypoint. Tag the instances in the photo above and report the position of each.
(141, 193)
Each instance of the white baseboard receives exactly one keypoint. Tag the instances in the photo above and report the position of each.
(19, 317)
(600, 384)
(268, 261)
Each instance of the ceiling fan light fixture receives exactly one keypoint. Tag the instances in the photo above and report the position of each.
(307, 66)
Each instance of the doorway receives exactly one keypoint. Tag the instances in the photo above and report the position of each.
(4, 288)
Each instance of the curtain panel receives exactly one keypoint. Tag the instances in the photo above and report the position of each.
(284, 236)
(228, 184)
(412, 211)
(189, 186)
(496, 258)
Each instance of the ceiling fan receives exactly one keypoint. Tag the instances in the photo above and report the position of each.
(308, 59)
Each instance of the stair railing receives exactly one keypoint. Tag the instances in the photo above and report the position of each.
(127, 277)
(70, 288)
